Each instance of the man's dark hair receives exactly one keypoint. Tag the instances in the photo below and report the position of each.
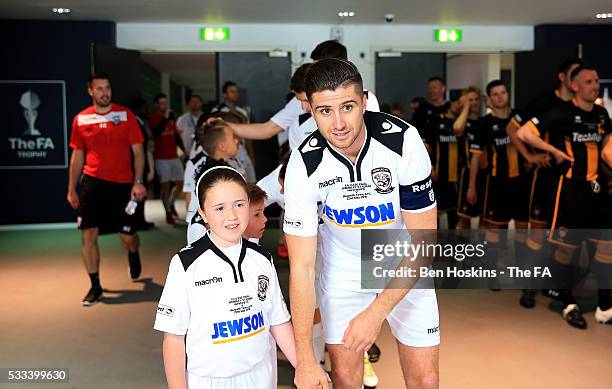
(579, 69)
(331, 73)
(329, 49)
(494, 84)
(297, 80)
(436, 78)
(418, 100)
(97, 76)
(195, 97)
(568, 63)
(159, 96)
(227, 85)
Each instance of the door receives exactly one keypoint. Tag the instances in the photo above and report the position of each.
(400, 77)
(263, 82)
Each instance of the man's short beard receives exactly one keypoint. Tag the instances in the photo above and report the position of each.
(99, 103)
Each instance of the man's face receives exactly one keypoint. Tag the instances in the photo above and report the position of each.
(566, 78)
(162, 104)
(435, 90)
(473, 99)
(586, 85)
(455, 107)
(301, 96)
(100, 92)
(414, 106)
(195, 104)
(339, 115)
(257, 221)
(498, 97)
(231, 94)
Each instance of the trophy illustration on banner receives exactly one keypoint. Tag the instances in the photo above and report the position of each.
(30, 102)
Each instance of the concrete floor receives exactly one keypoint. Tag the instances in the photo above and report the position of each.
(488, 341)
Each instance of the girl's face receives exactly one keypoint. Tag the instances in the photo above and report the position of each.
(226, 211)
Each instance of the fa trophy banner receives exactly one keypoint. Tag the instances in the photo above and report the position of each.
(34, 130)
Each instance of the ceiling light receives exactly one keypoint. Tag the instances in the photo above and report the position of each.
(61, 11)
(603, 16)
(346, 14)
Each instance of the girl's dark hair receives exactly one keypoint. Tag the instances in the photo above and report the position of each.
(210, 178)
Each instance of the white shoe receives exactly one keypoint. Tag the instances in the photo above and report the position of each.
(603, 317)
(369, 376)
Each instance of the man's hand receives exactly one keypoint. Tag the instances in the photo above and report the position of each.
(472, 196)
(311, 376)
(539, 159)
(73, 199)
(560, 156)
(362, 331)
(139, 191)
(211, 120)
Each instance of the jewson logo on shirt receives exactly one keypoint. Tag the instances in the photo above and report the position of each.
(238, 329)
(369, 216)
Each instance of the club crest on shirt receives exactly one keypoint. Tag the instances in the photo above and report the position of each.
(116, 119)
(381, 176)
(262, 287)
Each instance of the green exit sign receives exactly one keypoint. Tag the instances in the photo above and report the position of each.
(215, 34)
(448, 35)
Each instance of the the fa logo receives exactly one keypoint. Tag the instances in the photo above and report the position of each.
(116, 119)
(262, 287)
(381, 176)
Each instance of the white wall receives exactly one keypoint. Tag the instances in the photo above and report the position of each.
(464, 70)
(298, 38)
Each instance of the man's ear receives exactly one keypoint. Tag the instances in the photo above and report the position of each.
(364, 101)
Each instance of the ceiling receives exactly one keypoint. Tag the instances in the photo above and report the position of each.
(437, 12)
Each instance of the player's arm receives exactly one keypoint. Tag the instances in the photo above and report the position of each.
(174, 360)
(606, 151)
(258, 131)
(77, 161)
(534, 158)
(138, 190)
(301, 226)
(283, 335)
(472, 195)
(461, 121)
(529, 134)
(302, 256)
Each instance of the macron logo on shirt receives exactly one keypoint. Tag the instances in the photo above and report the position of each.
(390, 128)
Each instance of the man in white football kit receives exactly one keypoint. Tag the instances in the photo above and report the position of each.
(228, 298)
(337, 165)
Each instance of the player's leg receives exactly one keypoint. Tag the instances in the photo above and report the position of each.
(495, 221)
(338, 306)
(91, 206)
(567, 244)
(420, 366)
(415, 324)
(91, 259)
(176, 172)
(347, 367)
(131, 242)
(163, 174)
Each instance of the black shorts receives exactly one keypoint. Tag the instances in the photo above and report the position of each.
(102, 205)
(579, 213)
(506, 199)
(465, 209)
(446, 195)
(542, 200)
